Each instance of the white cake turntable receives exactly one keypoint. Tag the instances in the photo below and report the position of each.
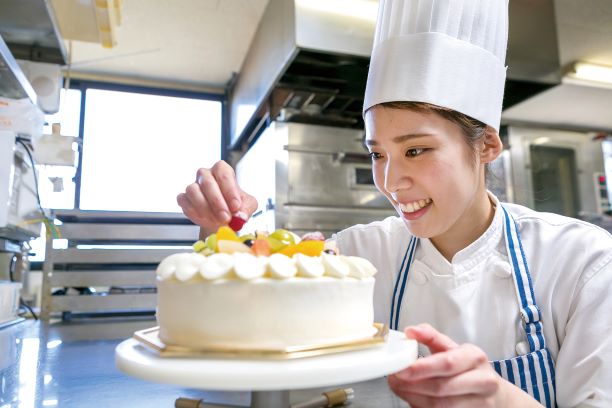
(268, 376)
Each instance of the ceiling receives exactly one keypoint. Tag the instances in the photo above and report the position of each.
(190, 43)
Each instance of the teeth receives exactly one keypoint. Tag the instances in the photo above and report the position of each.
(414, 206)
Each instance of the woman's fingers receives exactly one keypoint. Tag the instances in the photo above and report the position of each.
(226, 180)
(477, 382)
(249, 203)
(430, 337)
(445, 364)
(199, 213)
(214, 197)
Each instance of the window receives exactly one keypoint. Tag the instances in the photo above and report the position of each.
(141, 150)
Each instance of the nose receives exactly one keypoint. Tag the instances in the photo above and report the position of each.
(396, 177)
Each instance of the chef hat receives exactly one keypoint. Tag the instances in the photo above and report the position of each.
(448, 53)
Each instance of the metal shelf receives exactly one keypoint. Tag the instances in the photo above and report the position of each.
(128, 273)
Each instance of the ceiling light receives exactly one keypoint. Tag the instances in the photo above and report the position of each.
(589, 74)
(362, 9)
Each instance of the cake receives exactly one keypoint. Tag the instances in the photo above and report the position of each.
(264, 292)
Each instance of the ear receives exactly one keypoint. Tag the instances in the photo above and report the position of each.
(491, 146)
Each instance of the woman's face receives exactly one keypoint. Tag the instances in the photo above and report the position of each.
(424, 166)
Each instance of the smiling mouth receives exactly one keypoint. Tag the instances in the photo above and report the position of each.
(415, 205)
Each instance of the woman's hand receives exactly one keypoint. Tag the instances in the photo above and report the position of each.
(214, 197)
(453, 376)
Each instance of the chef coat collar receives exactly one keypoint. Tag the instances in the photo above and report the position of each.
(469, 256)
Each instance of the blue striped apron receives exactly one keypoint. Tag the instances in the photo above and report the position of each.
(533, 372)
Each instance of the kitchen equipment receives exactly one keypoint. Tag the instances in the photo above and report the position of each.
(310, 59)
(308, 177)
(9, 302)
(20, 216)
(560, 171)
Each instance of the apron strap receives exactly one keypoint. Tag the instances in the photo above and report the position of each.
(530, 313)
(400, 284)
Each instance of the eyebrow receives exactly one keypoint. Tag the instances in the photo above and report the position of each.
(399, 139)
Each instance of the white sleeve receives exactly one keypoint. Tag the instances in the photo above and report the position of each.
(584, 362)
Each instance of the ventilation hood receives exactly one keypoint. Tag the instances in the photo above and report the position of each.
(30, 31)
(310, 65)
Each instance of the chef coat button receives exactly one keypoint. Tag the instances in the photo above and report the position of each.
(522, 348)
(419, 277)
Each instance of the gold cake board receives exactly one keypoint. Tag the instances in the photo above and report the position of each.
(150, 339)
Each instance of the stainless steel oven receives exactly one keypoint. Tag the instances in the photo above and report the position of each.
(310, 177)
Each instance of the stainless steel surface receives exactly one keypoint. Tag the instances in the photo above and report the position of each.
(533, 51)
(98, 303)
(128, 232)
(112, 256)
(87, 216)
(307, 173)
(101, 277)
(31, 31)
(72, 365)
(284, 30)
(13, 82)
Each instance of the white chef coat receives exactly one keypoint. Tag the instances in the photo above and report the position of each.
(472, 299)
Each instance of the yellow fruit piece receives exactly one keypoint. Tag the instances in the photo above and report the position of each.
(289, 250)
(225, 233)
(310, 248)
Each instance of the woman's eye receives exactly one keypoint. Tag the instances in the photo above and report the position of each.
(414, 152)
(374, 155)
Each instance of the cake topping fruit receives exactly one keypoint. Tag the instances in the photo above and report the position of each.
(237, 221)
(278, 255)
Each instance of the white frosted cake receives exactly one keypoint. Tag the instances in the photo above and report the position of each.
(245, 301)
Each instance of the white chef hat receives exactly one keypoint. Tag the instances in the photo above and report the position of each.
(448, 53)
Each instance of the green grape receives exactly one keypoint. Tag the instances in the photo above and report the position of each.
(283, 236)
(275, 244)
(211, 242)
(199, 246)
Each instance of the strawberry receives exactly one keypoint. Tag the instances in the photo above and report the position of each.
(237, 221)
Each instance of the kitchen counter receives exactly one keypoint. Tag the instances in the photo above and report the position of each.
(72, 364)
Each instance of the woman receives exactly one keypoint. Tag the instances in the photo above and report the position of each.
(516, 302)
